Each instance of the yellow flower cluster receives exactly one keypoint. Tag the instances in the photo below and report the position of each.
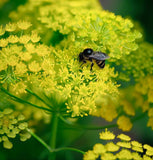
(56, 69)
(144, 97)
(25, 63)
(18, 48)
(87, 27)
(52, 11)
(138, 63)
(11, 125)
(100, 30)
(124, 148)
(76, 86)
(134, 97)
(124, 123)
(108, 110)
(114, 107)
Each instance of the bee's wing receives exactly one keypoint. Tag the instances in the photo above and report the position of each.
(99, 56)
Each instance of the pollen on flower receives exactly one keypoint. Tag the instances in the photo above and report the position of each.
(107, 135)
(75, 110)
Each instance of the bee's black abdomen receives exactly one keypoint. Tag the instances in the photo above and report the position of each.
(101, 64)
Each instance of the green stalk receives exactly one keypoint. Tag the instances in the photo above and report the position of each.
(69, 149)
(85, 127)
(15, 98)
(54, 126)
(34, 94)
(40, 140)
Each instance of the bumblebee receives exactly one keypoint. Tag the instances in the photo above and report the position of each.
(90, 55)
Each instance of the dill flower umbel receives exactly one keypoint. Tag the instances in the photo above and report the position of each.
(137, 96)
(25, 61)
(55, 70)
(134, 65)
(39, 67)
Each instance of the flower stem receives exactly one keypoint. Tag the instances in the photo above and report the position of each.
(40, 140)
(69, 148)
(54, 126)
(38, 97)
(15, 98)
(93, 127)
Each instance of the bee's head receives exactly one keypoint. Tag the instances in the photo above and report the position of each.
(87, 51)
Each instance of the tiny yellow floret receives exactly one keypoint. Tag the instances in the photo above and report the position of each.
(124, 137)
(107, 135)
(124, 123)
(24, 25)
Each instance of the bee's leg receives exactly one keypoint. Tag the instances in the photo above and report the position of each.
(84, 61)
(91, 64)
